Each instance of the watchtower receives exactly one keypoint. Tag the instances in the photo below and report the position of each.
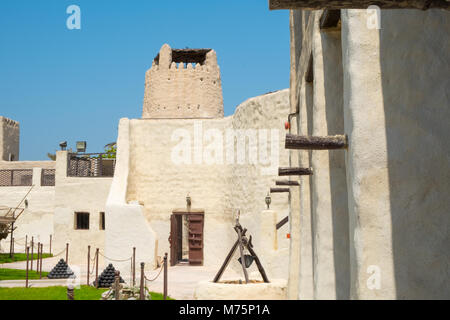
(9, 139)
(183, 83)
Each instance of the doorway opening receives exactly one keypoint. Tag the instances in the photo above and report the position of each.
(186, 237)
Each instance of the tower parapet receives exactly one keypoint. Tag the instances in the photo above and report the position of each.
(183, 83)
(9, 139)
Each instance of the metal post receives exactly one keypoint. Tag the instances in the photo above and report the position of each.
(13, 249)
(70, 292)
(26, 243)
(32, 250)
(67, 253)
(141, 292)
(134, 266)
(50, 250)
(11, 253)
(40, 266)
(26, 277)
(96, 268)
(165, 276)
(89, 261)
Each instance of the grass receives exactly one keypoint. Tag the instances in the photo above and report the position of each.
(4, 257)
(58, 293)
(15, 274)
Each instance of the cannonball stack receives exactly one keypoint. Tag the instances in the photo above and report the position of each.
(106, 279)
(61, 271)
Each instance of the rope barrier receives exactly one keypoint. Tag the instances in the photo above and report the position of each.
(55, 255)
(159, 273)
(114, 260)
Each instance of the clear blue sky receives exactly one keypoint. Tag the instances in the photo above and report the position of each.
(75, 85)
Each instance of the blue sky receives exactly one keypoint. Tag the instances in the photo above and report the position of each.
(73, 85)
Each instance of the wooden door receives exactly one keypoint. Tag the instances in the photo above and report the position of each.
(173, 239)
(195, 238)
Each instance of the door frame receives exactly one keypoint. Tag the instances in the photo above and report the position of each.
(176, 229)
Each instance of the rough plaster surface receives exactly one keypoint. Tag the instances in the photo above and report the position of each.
(275, 290)
(183, 91)
(220, 189)
(9, 139)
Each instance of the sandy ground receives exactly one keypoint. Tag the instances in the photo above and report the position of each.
(182, 279)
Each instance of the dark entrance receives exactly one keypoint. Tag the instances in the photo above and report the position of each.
(186, 227)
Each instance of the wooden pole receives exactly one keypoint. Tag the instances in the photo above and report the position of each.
(165, 276)
(315, 143)
(286, 183)
(26, 243)
(117, 285)
(26, 277)
(32, 252)
(38, 257)
(67, 253)
(96, 268)
(241, 250)
(50, 244)
(40, 266)
(295, 171)
(70, 292)
(134, 266)
(13, 249)
(279, 190)
(141, 291)
(88, 264)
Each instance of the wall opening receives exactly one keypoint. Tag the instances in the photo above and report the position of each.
(81, 220)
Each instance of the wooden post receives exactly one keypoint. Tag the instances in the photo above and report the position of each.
(295, 171)
(134, 266)
(96, 268)
(12, 248)
(117, 285)
(286, 183)
(241, 250)
(88, 264)
(26, 276)
(38, 257)
(40, 266)
(32, 252)
(249, 246)
(70, 292)
(316, 143)
(141, 291)
(26, 244)
(67, 253)
(228, 259)
(50, 250)
(165, 276)
(11, 244)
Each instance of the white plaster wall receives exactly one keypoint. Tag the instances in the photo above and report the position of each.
(9, 139)
(73, 194)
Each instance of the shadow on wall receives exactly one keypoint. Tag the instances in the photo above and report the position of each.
(415, 68)
(333, 77)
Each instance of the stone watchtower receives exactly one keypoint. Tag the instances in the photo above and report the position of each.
(9, 140)
(183, 83)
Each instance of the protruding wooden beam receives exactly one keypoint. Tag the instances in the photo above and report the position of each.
(295, 171)
(279, 190)
(286, 183)
(282, 222)
(330, 19)
(357, 4)
(316, 143)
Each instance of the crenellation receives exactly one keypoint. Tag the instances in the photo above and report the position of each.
(183, 83)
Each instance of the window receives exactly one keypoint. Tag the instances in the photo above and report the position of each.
(102, 221)
(81, 220)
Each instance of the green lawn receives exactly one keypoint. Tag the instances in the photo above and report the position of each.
(57, 293)
(4, 257)
(16, 274)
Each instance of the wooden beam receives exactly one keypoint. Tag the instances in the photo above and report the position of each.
(316, 143)
(282, 222)
(357, 4)
(279, 190)
(286, 183)
(330, 19)
(295, 171)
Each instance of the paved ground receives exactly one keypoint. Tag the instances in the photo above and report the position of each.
(182, 279)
